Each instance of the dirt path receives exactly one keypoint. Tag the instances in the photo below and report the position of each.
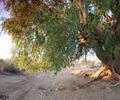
(47, 86)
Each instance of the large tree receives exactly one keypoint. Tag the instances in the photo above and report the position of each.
(50, 34)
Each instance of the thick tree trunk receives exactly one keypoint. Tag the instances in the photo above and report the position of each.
(108, 61)
(111, 63)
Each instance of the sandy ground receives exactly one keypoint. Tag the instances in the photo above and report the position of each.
(63, 86)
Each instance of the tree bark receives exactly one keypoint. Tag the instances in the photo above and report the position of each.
(111, 63)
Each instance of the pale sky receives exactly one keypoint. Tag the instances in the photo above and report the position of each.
(5, 39)
(5, 46)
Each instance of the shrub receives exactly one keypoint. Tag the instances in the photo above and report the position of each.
(12, 69)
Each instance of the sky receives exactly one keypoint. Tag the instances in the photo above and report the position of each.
(5, 39)
(5, 46)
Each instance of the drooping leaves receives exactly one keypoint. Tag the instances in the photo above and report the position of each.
(51, 34)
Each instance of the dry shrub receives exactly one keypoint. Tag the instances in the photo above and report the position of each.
(8, 67)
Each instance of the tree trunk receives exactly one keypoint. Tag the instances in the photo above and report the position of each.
(107, 59)
(111, 63)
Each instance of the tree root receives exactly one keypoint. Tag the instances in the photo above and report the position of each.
(96, 78)
(103, 72)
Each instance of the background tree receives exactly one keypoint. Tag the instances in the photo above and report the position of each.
(50, 34)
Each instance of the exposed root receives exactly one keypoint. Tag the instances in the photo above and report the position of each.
(100, 76)
(103, 72)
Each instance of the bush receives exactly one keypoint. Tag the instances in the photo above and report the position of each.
(12, 69)
(8, 67)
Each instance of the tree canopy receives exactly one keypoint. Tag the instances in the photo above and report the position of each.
(50, 34)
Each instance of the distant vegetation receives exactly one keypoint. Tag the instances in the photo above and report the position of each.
(8, 67)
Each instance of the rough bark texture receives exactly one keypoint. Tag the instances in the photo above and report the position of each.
(112, 63)
(116, 62)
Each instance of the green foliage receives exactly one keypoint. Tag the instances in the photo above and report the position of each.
(61, 46)
(49, 37)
